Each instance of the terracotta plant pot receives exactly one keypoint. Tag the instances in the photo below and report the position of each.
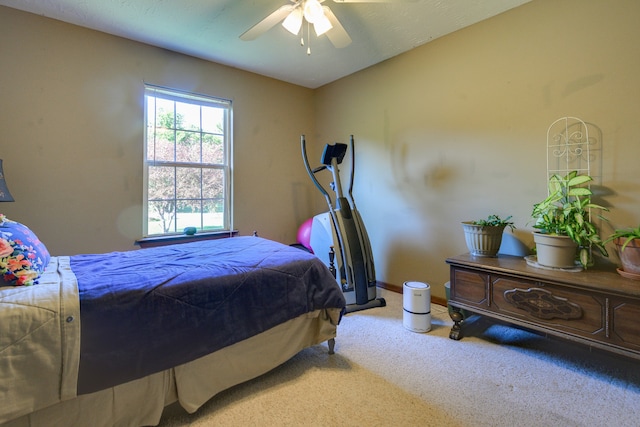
(555, 251)
(630, 256)
(483, 240)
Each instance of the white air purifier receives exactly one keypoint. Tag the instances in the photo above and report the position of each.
(416, 304)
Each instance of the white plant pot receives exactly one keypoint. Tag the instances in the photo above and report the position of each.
(555, 251)
(483, 240)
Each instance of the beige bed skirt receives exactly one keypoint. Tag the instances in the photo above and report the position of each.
(141, 402)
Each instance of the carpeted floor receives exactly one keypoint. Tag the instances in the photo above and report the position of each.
(384, 375)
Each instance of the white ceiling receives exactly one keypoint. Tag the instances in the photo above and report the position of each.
(210, 29)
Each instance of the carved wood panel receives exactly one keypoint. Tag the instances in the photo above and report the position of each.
(626, 323)
(473, 289)
(543, 304)
(590, 321)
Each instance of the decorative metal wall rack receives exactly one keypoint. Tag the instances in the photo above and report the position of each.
(569, 147)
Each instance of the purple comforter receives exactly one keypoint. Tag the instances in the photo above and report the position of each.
(147, 310)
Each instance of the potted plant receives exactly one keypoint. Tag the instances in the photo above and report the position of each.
(563, 222)
(484, 237)
(627, 242)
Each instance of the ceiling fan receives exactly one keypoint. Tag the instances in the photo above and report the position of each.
(323, 19)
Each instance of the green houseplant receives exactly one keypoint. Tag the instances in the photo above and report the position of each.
(566, 213)
(483, 237)
(627, 242)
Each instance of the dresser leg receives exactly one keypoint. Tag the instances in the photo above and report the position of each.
(456, 329)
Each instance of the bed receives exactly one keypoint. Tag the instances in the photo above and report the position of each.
(111, 339)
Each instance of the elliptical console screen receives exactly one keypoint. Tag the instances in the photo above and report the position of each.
(331, 151)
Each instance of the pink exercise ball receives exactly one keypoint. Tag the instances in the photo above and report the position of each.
(304, 234)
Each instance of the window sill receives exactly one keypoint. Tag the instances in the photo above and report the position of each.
(149, 242)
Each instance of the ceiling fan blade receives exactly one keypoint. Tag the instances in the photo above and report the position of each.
(337, 35)
(267, 23)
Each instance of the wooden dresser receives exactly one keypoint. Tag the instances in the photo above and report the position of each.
(596, 307)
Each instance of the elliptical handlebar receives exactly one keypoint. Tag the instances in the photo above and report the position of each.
(312, 172)
(353, 168)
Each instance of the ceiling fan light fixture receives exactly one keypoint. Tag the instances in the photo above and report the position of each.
(322, 25)
(293, 21)
(313, 11)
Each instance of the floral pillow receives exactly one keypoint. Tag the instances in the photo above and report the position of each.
(23, 257)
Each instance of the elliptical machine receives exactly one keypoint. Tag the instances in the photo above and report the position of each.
(339, 235)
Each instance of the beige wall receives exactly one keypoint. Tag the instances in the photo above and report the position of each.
(451, 131)
(456, 129)
(71, 104)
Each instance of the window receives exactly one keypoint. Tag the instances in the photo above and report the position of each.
(187, 162)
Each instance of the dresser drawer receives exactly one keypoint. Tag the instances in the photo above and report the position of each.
(625, 323)
(470, 287)
(558, 308)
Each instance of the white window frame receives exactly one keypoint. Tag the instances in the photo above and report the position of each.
(226, 167)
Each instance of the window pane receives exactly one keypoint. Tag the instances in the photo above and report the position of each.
(188, 116)
(164, 130)
(161, 217)
(151, 148)
(164, 146)
(189, 214)
(161, 183)
(213, 120)
(212, 183)
(213, 214)
(165, 114)
(212, 149)
(150, 118)
(187, 147)
(188, 183)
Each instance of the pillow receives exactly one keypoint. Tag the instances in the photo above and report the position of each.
(23, 257)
